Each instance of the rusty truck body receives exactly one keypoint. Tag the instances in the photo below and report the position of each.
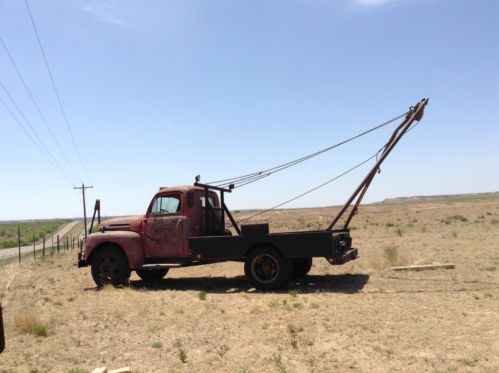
(186, 226)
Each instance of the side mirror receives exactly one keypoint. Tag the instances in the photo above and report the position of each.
(2, 336)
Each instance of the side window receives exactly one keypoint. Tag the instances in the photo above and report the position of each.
(203, 201)
(166, 205)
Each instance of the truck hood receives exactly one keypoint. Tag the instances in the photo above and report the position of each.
(129, 223)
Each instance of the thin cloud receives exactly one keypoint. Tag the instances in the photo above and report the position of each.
(109, 11)
(372, 2)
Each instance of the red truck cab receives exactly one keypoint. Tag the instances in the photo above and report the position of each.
(174, 214)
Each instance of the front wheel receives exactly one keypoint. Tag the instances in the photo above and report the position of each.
(110, 267)
(267, 269)
(151, 274)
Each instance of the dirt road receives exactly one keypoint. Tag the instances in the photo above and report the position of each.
(61, 232)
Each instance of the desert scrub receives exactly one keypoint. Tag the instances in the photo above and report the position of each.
(399, 231)
(391, 254)
(157, 344)
(454, 218)
(276, 359)
(40, 330)
(202, 295)
(182, 354)
(28, 323)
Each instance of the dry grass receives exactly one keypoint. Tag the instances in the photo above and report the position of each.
(27, 322)
(357, 317)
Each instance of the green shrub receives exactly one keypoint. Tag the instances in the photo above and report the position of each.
(182, 354)
(399, 231)
(391, 254)
(40, 330)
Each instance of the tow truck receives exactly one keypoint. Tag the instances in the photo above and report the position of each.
(186, 226)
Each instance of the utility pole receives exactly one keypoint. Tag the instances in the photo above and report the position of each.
(83, 187)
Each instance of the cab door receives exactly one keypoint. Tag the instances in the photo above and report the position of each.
(162, 228)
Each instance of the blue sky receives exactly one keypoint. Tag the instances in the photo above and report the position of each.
(157, 92)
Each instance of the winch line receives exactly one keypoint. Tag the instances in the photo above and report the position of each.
(242, 180)
(324, 183)
(313, 189)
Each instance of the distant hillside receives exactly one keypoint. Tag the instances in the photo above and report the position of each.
(445, 197)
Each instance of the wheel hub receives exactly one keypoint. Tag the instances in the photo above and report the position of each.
(265, 268)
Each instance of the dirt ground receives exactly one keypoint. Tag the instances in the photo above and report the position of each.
(357, 317)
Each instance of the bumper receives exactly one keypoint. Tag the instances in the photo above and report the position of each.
(82, 262)
(345, 257)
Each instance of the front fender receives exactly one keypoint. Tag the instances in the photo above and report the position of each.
(129, 242)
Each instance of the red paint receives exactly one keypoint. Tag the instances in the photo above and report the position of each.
(157, 234)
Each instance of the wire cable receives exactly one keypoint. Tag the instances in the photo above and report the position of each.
(56, 90)
(19, 74)
(255, 176)
(63, 175)
(40, 141)
(326, 182)
(313, 189)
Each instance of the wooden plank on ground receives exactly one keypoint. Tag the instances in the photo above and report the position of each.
(424, 267)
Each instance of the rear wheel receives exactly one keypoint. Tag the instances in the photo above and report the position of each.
(110, 267)
(267, 269)
(151, 274)
(301, 267)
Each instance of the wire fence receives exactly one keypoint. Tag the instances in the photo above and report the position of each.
(46, 246)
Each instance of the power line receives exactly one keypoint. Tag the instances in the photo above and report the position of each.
(37, 107)
(55, 89)
(40, 141)
(63, 175)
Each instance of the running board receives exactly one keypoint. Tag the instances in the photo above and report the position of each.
(161, 265)
(177, 264)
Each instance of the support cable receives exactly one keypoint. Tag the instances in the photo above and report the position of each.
(56, 90)
(324, 183)
(255, 176)
(19, 74)
(313, 189)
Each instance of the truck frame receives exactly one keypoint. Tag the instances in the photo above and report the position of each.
(186, 226)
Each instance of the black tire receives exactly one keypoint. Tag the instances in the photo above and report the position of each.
(301, 267)
(267, 269)
(151, 274)
(110, 267)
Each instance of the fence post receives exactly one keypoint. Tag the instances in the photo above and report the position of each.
(19, 241)
(52, 244)
(43, 247)
(58, 247)
(34, 248)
